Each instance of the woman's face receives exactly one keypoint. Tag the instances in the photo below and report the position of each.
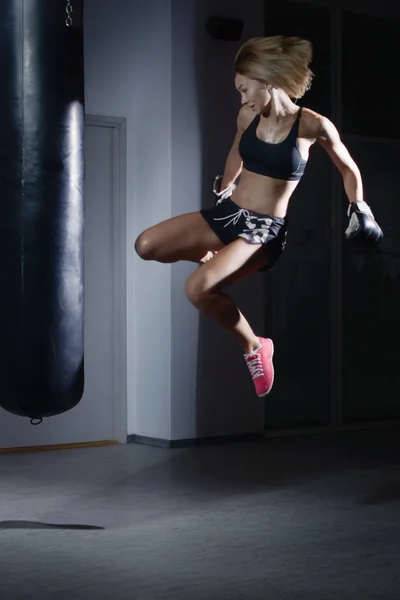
(253, 93)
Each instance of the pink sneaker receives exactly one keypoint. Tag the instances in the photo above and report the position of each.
(261, 367)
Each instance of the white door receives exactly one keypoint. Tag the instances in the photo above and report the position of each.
(94, 418)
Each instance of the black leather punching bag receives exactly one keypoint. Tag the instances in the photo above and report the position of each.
(41, 208)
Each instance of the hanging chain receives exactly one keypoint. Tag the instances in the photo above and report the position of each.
(68, 10)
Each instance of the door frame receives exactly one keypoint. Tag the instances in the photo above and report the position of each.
(119, 208)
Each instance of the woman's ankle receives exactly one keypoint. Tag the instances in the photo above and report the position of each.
(252, 346)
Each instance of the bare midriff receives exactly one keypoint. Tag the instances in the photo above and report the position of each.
(263, 194)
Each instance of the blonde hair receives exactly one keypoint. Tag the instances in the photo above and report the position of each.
(278, 60)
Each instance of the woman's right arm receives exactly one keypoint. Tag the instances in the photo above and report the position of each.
(233, 163)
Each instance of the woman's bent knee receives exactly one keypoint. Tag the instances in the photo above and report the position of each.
(145, 247)
(197, 289)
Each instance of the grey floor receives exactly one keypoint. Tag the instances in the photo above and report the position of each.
(288, 518)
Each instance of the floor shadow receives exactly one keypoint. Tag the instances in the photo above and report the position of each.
(39, 525)
(389, 492)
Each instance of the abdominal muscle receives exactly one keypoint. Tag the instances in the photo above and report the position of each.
(263, 194)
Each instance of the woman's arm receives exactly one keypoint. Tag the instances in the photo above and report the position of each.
(234, 163)
(362, 226)
(329, 139)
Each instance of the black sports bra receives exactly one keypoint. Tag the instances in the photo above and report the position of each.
(279, 161)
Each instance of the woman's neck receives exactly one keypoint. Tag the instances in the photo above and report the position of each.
(279, 106)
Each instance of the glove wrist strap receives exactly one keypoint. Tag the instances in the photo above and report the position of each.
(361, 206)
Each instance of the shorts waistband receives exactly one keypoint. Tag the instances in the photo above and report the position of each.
(254, 213)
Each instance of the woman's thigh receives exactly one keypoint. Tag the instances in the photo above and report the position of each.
(186, 237)
(232, 264)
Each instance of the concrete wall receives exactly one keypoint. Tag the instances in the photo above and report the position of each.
(154, 64)
(128, 74)
(212, 393)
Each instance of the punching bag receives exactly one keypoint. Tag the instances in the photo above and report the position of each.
(41, 216)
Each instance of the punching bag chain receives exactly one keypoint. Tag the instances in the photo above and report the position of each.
(68, 10)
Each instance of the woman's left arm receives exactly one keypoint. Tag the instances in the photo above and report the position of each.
(329, 139)
(362, 226)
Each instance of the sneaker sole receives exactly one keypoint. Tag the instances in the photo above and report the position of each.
(273, 374)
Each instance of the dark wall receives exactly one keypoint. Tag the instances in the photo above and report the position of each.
(333, 311)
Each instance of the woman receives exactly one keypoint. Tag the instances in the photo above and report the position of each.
(246, 230)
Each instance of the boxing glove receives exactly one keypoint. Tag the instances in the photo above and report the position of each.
(362, 227)
(222, 194)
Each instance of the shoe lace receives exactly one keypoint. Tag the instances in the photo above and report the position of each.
(255, 365)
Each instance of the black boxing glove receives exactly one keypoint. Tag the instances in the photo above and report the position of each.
(362, 227)
(222, 194)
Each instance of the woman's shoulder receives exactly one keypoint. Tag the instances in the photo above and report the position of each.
(311, 123)
(245, 116)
